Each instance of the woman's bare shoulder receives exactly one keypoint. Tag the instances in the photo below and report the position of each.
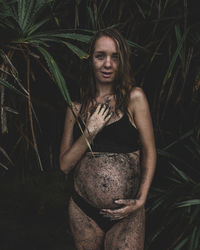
(137, 98)
(137, 93)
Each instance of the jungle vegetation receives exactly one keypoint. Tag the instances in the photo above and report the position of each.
(43, 49)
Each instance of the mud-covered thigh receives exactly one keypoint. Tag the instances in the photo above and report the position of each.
(127, 234)
(86, 234)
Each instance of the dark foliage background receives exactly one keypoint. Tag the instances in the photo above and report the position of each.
(43, 48)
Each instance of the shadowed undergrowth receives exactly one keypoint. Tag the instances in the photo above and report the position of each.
(33, 213)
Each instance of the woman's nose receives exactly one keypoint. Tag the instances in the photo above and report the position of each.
(107, 62)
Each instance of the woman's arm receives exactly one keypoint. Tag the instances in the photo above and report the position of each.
(139, 109)
(69, 155)
(71, 152)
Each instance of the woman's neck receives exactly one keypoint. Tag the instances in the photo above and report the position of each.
(104, 90)
(105, 94)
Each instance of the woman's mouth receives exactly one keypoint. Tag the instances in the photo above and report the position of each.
(106, 74)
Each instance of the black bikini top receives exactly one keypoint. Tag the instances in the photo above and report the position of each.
(118, 137)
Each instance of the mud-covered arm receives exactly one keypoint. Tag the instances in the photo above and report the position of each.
(71, 152)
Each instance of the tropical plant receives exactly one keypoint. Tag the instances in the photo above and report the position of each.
(30, 34)
(174, 205)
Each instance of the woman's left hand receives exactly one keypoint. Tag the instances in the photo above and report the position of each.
(130, 206)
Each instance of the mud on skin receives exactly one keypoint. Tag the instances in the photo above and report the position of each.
(101, 178)
(127, 234)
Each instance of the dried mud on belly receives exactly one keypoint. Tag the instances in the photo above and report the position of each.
(105, 177)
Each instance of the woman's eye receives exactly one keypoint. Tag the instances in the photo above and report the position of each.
(99, 56)
(115, 57)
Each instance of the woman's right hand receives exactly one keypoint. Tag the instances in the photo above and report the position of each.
(97, 120)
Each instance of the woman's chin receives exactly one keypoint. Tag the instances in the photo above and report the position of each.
(106, 81)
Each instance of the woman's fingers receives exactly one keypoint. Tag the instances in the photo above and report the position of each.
(98, 109)
(103, 108)
(108, 116)
(104, 111)
(114, 216)
(97, 120)
(109, 216)
(125, 201)
(130, 206)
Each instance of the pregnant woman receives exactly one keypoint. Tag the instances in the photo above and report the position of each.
(114, 156)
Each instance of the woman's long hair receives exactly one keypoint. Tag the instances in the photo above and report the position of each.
(123, 82)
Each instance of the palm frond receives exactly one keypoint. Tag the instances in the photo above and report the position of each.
(11, 87)
(80, 53)
(62, 34)
(92, 20)
(6, 155)
(3, 166)
(55, 71)
(174, 57)
(180, 173)
(189, 203)
(181, 244)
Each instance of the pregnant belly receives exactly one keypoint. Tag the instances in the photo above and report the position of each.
(104, 177)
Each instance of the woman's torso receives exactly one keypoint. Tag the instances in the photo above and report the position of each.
(112, 171)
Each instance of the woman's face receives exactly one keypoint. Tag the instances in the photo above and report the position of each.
(105, 60)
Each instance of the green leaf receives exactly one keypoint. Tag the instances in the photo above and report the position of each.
(91, 17)
(6, 155)
(3, 166)
(85, 30)
(42, 40)
(195, 213)
(181, 173)
(28, 20)
(181, 244)
(55, 71)
(188, 203)
(171, 156)
(178, 37)
(186, 135)
(174, 180)
(73, 36)
(137, 46)
(36, 26)
(105, 6)
(55, 34)
(192, 240)
(21, 12)
(196, 242)
(157, 233)
(80, 53)
(10, 86)
(173, 61)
